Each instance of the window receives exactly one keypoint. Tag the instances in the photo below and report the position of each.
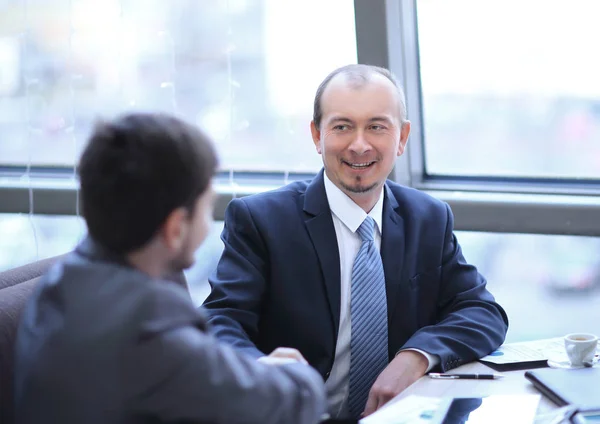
(495, 89)
(549, 285)
(27, 238)
(510, 88)
(244, 70)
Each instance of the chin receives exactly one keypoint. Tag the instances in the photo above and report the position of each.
(359, 188)
(181, 264)
(187, 264)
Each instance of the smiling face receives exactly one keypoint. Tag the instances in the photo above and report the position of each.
(360, 135)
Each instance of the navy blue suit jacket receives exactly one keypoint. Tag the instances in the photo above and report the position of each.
(278, 280)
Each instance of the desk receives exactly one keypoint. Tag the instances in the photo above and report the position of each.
(513, 383)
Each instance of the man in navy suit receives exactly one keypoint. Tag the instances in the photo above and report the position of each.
(288, 271)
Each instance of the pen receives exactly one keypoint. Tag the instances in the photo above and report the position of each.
(465, 376)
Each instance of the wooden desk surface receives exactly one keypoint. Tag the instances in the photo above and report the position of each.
(513, 383)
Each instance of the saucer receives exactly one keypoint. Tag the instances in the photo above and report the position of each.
(567, 364)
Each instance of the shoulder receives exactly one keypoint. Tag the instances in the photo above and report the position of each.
(415, 203)
(280, 195)
(131, 295)
(165, 306)
(265, 205)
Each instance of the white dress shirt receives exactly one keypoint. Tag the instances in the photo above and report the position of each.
(347, 217)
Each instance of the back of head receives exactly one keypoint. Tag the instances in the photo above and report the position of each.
(135, 171)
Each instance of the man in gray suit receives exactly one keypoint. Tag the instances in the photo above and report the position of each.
(107, 339)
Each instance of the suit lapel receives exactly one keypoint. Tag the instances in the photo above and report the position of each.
(392, 249)
(319, 224)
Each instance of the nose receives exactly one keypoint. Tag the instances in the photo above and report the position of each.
(360, 144)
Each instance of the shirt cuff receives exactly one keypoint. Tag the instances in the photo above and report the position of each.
(433, 360)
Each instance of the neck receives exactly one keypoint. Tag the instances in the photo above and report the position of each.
(147, 262)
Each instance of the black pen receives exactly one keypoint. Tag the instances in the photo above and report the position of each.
(465, 376)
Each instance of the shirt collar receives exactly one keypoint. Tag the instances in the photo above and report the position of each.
(351, 215)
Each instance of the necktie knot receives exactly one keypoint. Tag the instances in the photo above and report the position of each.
(365, 231)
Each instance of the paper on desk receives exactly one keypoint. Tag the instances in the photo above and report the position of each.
(537, 350)
(412, 409)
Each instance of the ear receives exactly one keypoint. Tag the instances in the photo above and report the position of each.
(316, 136)
(404, 133)
(174, 229)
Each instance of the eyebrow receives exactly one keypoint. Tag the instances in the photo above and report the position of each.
(381, 119)
(340, 119)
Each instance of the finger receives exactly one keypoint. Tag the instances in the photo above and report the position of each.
(288, 352)
(383, 399)
(371, 404)
(294, 353)
(378, 404)
(269, 360)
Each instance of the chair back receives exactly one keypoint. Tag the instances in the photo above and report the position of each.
(15, 287)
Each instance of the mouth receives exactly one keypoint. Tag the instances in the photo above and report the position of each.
(359, 165)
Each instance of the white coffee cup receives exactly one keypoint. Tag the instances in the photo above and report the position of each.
(580, 348)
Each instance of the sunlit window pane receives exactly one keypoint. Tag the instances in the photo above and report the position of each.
(244, 70)
(26, 239)
(549, 285)
(511, 88)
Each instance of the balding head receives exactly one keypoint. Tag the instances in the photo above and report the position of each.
(357, 76)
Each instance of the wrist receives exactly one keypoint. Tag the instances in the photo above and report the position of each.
(416, 361)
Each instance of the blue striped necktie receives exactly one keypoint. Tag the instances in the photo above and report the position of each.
(368, 314)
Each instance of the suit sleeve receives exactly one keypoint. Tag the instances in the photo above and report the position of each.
(185, 375)
(470, 324)
(239, 282)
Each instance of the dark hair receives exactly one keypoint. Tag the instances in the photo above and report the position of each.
(135, 171)
(359, 75)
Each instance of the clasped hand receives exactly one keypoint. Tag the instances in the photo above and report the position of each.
(282, 356)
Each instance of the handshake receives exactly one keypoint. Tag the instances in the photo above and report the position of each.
(282, 356)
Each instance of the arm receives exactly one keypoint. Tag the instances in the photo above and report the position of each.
(186, 375)
(239, 281)
(470, 324)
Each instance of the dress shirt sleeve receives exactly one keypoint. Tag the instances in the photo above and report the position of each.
(431, 359)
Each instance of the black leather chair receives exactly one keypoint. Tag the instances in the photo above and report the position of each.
(15, 287)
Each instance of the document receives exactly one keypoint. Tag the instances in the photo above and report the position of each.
(513, 409)
(537, 350)
(410, 410)
(527, 355)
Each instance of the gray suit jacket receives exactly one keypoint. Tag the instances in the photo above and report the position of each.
(101, 342)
